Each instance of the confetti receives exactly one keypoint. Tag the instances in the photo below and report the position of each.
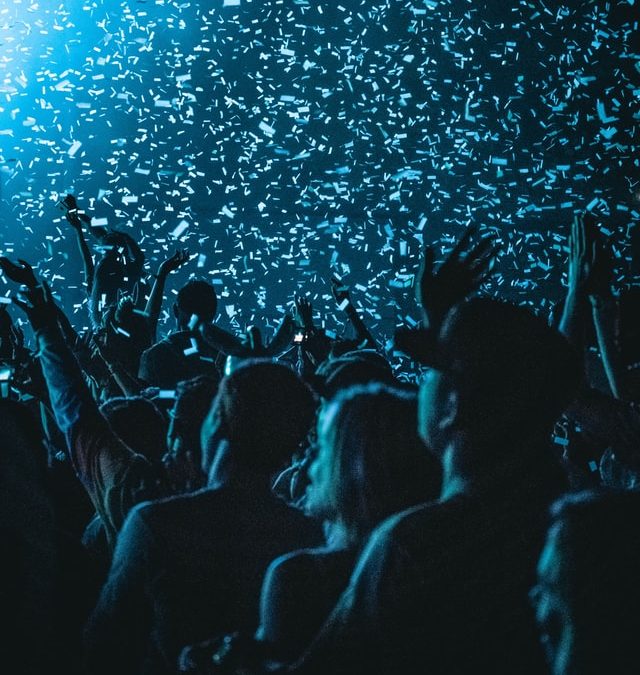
(280, 141)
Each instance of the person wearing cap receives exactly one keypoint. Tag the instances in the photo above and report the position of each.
(443, 587)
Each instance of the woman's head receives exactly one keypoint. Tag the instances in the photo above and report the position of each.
(371, 462)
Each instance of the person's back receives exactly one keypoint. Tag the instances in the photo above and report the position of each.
(184, 355)
(443, 587)
(187, 567)
(178, 357)
(205, 557)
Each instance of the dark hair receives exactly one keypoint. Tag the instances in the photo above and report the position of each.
(128, 332)
(192, 403)
(371, 461)
(266, 411)
(197, 298)
(139, 424)
(357, 367)
(511, 369)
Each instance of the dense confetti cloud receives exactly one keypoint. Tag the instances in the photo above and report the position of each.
(281, 140)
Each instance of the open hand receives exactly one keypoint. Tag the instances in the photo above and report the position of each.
(303, 313)
(38, 304)
(177, 260)
(21, 273)
(465, 269)
(582, 250)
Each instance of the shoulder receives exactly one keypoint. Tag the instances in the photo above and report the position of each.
(157, 514)
(409, 523)
(164, 346)
(297, 562)
(405, 540)
(318, 564)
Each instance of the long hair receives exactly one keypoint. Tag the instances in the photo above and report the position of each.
(371, 462)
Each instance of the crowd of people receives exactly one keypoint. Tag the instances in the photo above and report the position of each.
(213, 502)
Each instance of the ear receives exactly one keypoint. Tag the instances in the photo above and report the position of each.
(450, 412)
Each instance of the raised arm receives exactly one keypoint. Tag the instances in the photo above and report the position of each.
(154, 303)
(581, 252)
(604, 311)
(76, 219)
(114, 476)
(343, 298)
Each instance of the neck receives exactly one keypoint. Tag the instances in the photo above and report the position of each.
(466, 467)
(226, 472)
(455, 479)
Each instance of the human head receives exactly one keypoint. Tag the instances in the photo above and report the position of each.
(371, 462)
(126, 332)
(263, 410)
(139, 424)
(499, 374)
(587, 594)
(357, 367)
(192, 403)
(195, 298)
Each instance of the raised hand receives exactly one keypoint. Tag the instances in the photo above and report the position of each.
(461, 274)
(21, 273)
(73, 216)
(340, 292)
(601, 276)
(177, 260)
(303, 315)
(38, 304)
(281, 339)
(582, 253)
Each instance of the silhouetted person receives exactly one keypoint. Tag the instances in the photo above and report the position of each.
(442, 588)
(183, 461)
(184, 355)
(189, 567)
(587, 595)
(371, 464)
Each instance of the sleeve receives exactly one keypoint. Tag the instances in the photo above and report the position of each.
(118, 631)
(113, 476)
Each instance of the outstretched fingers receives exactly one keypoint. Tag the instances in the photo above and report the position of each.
(462, 244)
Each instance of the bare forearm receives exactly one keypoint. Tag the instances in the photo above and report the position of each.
(362, 332)
(573, 319)
(87, 260)
(604, 316)
(154, 303)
